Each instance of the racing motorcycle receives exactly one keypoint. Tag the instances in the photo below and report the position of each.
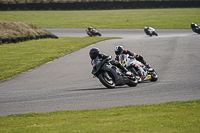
(93, 32)
(137, 68)
(150, 31)
(195, 28)
(110, 75)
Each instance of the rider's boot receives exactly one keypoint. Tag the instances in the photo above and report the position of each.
(128, 74)
(148, 66)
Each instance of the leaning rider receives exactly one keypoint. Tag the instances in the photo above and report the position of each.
(95, 56)
(119, 50)
(195, 27)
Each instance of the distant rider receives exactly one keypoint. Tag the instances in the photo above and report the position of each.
(149, 30)
(90, 30)
(95, 56)
(195, 27)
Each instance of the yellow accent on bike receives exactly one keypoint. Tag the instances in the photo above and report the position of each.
(148, 77)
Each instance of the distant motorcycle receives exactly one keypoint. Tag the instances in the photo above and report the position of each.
(137, 68)
(110, 75)
(93, 32)
(195, 28)
(150, 31)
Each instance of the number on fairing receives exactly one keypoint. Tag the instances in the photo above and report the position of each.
(124, 62)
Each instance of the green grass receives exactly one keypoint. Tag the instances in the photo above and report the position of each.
(179, 117)
(167, 18)
(20, 57)
(183, 117)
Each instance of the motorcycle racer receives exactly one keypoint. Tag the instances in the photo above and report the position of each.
(92, 31)
(95, 56)
(150, 31)
(119, 50)
(195, 28)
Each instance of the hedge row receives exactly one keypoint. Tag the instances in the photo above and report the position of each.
(99, 5)
(26, 38)
(72, 1)
(14, 32)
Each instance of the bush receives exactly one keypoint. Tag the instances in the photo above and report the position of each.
(14, 32)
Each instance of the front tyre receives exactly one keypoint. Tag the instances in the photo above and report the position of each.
(155, 33)
(154, 76)
(99, 34)
(109, 83)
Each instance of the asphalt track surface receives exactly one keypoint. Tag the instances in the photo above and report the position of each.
(67, 83)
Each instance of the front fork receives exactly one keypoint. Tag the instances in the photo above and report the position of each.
(134, 71)
(106, 75)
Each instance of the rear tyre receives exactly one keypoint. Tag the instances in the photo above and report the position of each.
(132, 82)
(107, 83)
(137, 76)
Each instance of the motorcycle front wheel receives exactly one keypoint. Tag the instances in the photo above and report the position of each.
(109, 83)
(99, 34)
(155, 33)
(154, 76)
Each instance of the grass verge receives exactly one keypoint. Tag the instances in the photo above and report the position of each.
(183, 117)
(18, 58)
(166, 18)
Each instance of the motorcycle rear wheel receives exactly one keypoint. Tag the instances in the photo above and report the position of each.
(107, 83)
(132, 83)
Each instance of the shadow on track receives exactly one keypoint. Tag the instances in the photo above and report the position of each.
(118, 87)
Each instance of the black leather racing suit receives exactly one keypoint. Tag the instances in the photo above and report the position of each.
(103, 56)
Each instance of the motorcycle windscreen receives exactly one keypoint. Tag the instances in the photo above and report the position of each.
(122, 59)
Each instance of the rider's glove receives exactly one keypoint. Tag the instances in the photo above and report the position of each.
(108, 58)
(112, 62)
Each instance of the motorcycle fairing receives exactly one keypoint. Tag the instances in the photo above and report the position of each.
(126, 61)
(94, 31)
(151, 30)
